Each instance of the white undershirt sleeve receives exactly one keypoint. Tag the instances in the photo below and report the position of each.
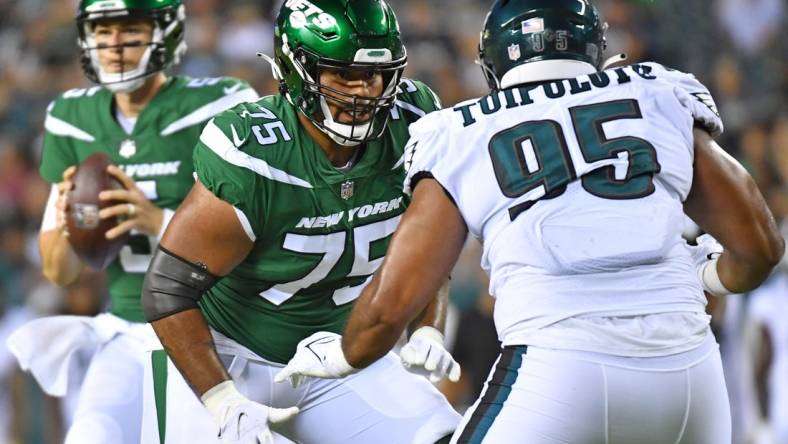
(49, 221)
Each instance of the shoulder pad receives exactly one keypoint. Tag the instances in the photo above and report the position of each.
(72, 98)
(429, 140)
(430, 123)
(692, 94)
(206, 97)
(415, 94)
(71, 114)
(252, 123)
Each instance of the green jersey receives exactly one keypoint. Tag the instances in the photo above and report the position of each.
(319, 233)
(157, 154)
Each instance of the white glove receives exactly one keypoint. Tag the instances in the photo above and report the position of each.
(705, 256)
(242, 421)
(708, 248)
(425, 354)
(319, 355)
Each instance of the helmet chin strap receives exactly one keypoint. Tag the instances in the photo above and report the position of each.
(340, 132)
(124, 87)
(618, 58)
(488, 72)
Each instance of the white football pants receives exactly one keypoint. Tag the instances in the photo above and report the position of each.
(109, 409)
(540, 396)
(383, 403)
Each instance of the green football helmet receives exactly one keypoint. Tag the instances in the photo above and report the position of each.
(165, 49)
(338, 35)
(534, 40)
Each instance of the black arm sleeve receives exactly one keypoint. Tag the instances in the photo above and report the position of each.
(172, 285)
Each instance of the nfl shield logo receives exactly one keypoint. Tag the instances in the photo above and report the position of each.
(514, 51)
(346, 190)
(127, 148)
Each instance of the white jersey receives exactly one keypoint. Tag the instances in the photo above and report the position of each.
(575, 188)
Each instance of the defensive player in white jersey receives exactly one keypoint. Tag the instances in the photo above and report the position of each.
(576, 181)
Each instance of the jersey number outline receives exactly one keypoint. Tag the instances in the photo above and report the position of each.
(270, 128)
(532, 161)
(331, 248)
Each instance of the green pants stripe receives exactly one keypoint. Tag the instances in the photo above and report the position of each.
(159, 361)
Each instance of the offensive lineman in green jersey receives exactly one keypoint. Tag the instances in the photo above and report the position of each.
(296, 199)
(147, 123)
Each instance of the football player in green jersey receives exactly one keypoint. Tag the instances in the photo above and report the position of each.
(296, 199)
(147, 123)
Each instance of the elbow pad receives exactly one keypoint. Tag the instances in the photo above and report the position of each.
(172, 285)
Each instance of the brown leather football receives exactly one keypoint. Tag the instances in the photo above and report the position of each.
(85, 229)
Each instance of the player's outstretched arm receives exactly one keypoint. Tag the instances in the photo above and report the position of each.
(726, 203)
(422, 252)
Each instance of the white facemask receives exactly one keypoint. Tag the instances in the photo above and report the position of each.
(114, 81)
(343, 129)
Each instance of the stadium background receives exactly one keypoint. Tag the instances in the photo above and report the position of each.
(736, 47)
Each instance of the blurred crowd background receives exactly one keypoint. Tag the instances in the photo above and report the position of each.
(735, 47)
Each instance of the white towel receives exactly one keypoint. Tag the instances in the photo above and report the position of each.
(47, 346)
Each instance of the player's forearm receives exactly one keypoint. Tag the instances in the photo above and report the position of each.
(740, 275)
(60, 265)
(369, 342)
(188, 342)
(374, 326)
(434, 315)
(420, 256)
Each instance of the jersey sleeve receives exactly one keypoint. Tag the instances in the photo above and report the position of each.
(57, 153)
(226, 170)
(696, 98)
(428, 140)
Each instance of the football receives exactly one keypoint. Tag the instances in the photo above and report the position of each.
(85, 229)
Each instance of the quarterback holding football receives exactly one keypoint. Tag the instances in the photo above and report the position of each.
(145, 123)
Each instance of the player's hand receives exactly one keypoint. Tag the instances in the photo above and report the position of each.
(319, 355)
(240, 420)
(707, 249)
(704, 255)
(61, 204)
(139, 212)
(425, 354)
